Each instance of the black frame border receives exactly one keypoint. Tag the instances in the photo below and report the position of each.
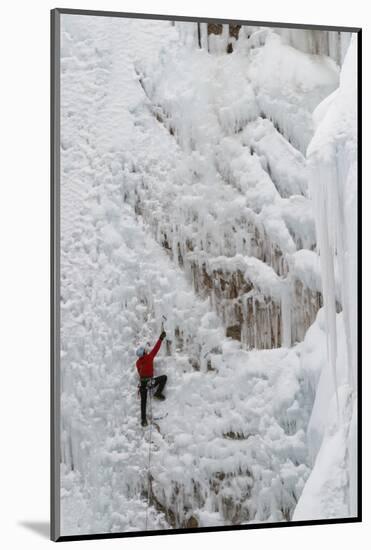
(55, 274)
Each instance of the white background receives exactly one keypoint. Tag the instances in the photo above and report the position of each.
(24, 270)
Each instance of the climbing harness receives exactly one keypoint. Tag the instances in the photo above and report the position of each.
(150, 385)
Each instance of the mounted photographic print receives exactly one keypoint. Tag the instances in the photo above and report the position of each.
(205, 361)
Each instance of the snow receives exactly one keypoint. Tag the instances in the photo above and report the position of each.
(290, 84)
(323, 495)
(284, 163)
(186, 193)
(305, 265)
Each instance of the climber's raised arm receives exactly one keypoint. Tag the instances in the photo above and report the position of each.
(152, 354)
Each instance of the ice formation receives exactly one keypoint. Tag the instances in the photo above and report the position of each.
(187, 191)
(332, 159)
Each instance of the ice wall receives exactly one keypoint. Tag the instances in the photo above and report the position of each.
(332, 157)
(289, 84)
(259, 207)
(319, 42)
(185, 194)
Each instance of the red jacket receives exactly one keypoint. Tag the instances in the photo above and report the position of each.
(145, 363)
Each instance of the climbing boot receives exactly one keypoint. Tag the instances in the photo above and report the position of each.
(159, 396)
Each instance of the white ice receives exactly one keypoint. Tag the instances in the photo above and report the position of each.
(186, 192)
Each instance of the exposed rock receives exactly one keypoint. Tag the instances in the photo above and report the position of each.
(214, 28)
(234, 332)
(234, 31)
(191, 523)
(235, 435)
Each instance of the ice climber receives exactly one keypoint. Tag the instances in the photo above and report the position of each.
(145, 369)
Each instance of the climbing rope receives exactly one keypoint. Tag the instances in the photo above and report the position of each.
(149, 455)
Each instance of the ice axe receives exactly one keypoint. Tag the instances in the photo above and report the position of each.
(164, 319)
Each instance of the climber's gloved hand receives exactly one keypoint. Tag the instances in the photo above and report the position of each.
(162, 335)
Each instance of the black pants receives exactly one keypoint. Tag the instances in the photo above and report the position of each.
(157, 382)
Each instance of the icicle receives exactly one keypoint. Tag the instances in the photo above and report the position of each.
(286, 312)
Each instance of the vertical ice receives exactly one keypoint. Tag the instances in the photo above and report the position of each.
(332, 157)
(332, 161)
